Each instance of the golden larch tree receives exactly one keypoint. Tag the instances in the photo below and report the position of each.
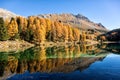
(12, 27)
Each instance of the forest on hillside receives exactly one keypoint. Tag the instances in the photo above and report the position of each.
(113, 35)
(37, 30)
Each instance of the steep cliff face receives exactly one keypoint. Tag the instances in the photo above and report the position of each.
(78, 20)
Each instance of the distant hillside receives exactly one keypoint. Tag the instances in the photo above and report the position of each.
(113, 35)
(6, 14)
(79, 21)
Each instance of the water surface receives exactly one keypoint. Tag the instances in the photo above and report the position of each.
(80, 62)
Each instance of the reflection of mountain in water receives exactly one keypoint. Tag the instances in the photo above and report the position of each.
(77, 64)
(52, 59)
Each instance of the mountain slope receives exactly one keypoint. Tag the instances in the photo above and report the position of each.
(6, 14)
(113, 35)
(79, 21)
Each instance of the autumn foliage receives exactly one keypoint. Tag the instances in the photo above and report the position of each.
(40, 30)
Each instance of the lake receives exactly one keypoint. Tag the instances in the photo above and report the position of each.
(79, 62)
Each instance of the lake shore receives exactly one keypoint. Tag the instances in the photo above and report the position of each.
(21, 45)
(51, 44)
(17, 45)
(111, 42)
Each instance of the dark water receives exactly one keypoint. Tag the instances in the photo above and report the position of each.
(81, 62)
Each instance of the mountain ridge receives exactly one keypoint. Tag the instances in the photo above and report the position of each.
(78, 20)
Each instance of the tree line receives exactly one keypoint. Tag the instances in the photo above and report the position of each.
(37, 30)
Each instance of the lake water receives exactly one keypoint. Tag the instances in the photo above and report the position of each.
(80, 62)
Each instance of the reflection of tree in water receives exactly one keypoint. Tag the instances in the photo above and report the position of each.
(51, 59)
(3, 62)
(2, 68)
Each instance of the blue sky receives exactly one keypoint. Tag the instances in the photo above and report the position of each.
(106, 12)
